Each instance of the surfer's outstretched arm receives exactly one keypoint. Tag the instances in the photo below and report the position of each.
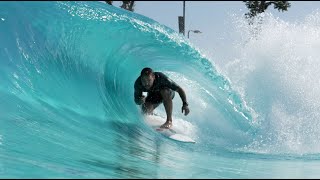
(183, 97)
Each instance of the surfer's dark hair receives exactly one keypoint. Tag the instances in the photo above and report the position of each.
(146, 71)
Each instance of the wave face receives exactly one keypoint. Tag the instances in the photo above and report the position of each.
(67, 109)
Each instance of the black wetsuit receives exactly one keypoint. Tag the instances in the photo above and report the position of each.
(161, 82)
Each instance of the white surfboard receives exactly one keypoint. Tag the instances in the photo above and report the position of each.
(174, 132)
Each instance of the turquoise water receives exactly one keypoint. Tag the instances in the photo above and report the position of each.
(67, 109)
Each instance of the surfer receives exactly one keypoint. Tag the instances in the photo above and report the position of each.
(160, 89)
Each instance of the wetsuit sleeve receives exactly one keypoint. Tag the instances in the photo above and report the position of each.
(137, 93)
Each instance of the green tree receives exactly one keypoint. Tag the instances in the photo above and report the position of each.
(128, 5)
(109, 2)
(257, 7)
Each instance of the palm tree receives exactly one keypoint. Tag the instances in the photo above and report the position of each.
(109, 2)
(128, 5)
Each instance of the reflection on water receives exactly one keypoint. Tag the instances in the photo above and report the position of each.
(140, 154)
(135, 156)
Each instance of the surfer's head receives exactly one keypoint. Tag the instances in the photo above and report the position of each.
(147, 77)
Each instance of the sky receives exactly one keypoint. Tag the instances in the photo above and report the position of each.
(212, 18)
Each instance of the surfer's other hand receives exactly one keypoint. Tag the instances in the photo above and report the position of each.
(186, 110)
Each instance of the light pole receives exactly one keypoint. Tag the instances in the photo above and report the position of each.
(195, 31)
(182, 20)
(184, 17)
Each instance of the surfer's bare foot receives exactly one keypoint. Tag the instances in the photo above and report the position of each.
(166, 125)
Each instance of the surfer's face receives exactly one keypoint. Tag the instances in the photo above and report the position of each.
(147, 81)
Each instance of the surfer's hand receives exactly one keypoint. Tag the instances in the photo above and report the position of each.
(186, 109)
(142, 100)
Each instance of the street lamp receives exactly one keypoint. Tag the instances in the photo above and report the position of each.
(195, 31)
